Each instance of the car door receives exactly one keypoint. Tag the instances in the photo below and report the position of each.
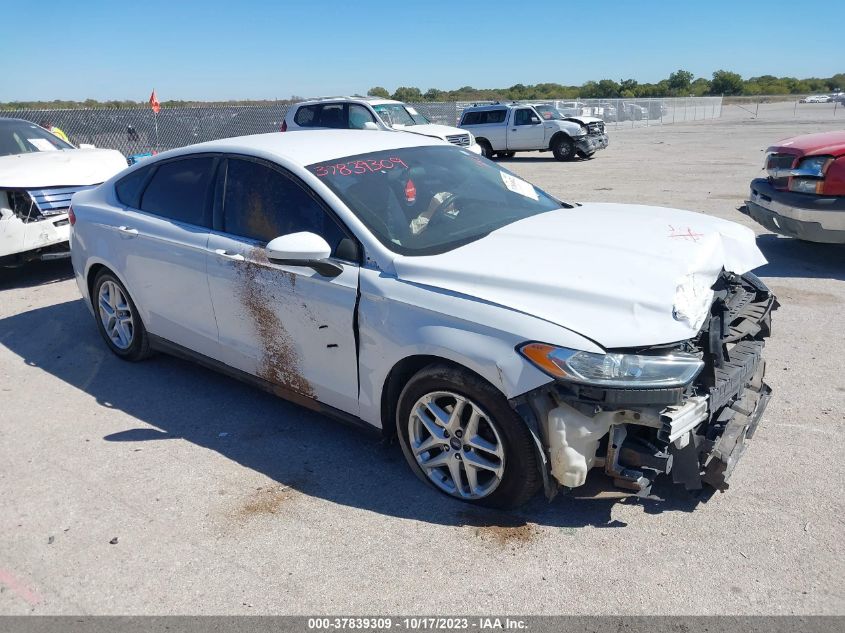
(526, 130)
(163, 235)
(288, 325)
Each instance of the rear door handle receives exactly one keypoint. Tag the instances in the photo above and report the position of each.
(127, 231)
(235, 257)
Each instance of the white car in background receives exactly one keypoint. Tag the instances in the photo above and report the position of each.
(371, 113)
(509, 340)
(816, 99)
(39, 173)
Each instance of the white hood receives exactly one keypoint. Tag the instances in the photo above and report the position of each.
(60, 168)
(431, 129)
(621, 275)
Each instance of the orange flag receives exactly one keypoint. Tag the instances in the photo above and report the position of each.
(154, 104)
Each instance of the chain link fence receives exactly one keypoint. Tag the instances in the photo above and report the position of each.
(618, 113)
(138, 130)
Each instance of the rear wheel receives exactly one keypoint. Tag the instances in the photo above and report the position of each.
(118, 320)
(563, 148)
(459, 435)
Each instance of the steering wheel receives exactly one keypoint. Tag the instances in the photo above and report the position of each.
(438, 210)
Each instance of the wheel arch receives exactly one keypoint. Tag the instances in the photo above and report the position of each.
(556, 137)
(94, 269)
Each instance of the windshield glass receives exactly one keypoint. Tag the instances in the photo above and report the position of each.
(21, 137)
(400, 114)
(429, 200)
(548, 112)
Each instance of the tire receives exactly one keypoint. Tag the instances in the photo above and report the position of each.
(118, 319)
(499, 455)
(486, 148)
(507, 154)
(563, 148)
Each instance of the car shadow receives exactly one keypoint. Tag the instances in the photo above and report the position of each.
(545, 158)
(789, 257)
(313, 454)
(35, 273)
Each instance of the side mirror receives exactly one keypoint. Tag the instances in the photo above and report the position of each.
(86, 146)
(303, 249)
(369, 125)
(534, 120)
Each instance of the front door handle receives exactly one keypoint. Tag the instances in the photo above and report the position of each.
(235, 257)
(127, 231)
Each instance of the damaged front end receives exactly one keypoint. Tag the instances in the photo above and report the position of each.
(695, 430)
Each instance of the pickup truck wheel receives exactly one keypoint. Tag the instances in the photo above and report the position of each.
(563, 148)
(460, 435)
(118, 320)
(507, 154)
(486, 149)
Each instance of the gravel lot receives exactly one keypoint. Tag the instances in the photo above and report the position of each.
(163, 488)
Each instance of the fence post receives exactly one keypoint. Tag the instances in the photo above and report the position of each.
(795, 109)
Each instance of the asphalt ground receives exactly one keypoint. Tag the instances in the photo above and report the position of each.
(163, 488)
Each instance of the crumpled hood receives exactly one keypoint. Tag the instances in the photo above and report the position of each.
(584, 119)
(60, 168)
(621, 275)
(431, 129)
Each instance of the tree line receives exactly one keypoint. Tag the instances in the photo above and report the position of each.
(681, 83)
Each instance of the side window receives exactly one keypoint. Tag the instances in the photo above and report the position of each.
(179, 190)
(128, 188)
(523, 116)
(305, 116)
(496, 116)
(471, 118)
(358, 115)
(261, 203)
(331, 115)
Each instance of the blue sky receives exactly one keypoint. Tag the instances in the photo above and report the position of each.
(237, 49)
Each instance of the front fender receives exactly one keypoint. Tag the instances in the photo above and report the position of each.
(397, 320)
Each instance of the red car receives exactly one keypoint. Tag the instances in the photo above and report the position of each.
(804, 194)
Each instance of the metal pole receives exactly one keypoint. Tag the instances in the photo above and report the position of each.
(674, 107)
(795, 109)
(757, 109)
(155, 118)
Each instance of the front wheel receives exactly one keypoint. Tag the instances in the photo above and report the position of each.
(563, 148)
(486, 149)
(460, 435)
(507, 154)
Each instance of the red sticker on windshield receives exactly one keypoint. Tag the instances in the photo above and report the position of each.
(410, 192)
(355, 167)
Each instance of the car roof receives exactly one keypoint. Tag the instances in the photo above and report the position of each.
(311, 146)
(9, 120)
(370, 100)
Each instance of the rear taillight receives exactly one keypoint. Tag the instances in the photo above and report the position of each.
(284, 127)
(71, 216)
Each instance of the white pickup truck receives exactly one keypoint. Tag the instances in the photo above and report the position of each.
(506, 128)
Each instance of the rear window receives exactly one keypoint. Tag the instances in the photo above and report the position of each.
(179, 191)
(128, 188)
(484, 116)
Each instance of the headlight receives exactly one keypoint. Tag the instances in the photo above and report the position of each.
(581, 132)
(814, 166)
(806, 185)
(613, 370)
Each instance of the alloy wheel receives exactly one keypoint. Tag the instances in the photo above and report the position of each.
(116, 315)
(456, 444)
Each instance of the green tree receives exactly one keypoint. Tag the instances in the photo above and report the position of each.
(404, 93)
(726, 83)
(628, 88)
(607, 89)
(378, 91)
(679, 82)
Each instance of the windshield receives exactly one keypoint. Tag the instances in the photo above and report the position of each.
(548, 112)
(21, 137)
(429, 200)
(400, 114)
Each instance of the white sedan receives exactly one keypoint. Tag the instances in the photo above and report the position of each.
(39, 172)
(509, 341)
